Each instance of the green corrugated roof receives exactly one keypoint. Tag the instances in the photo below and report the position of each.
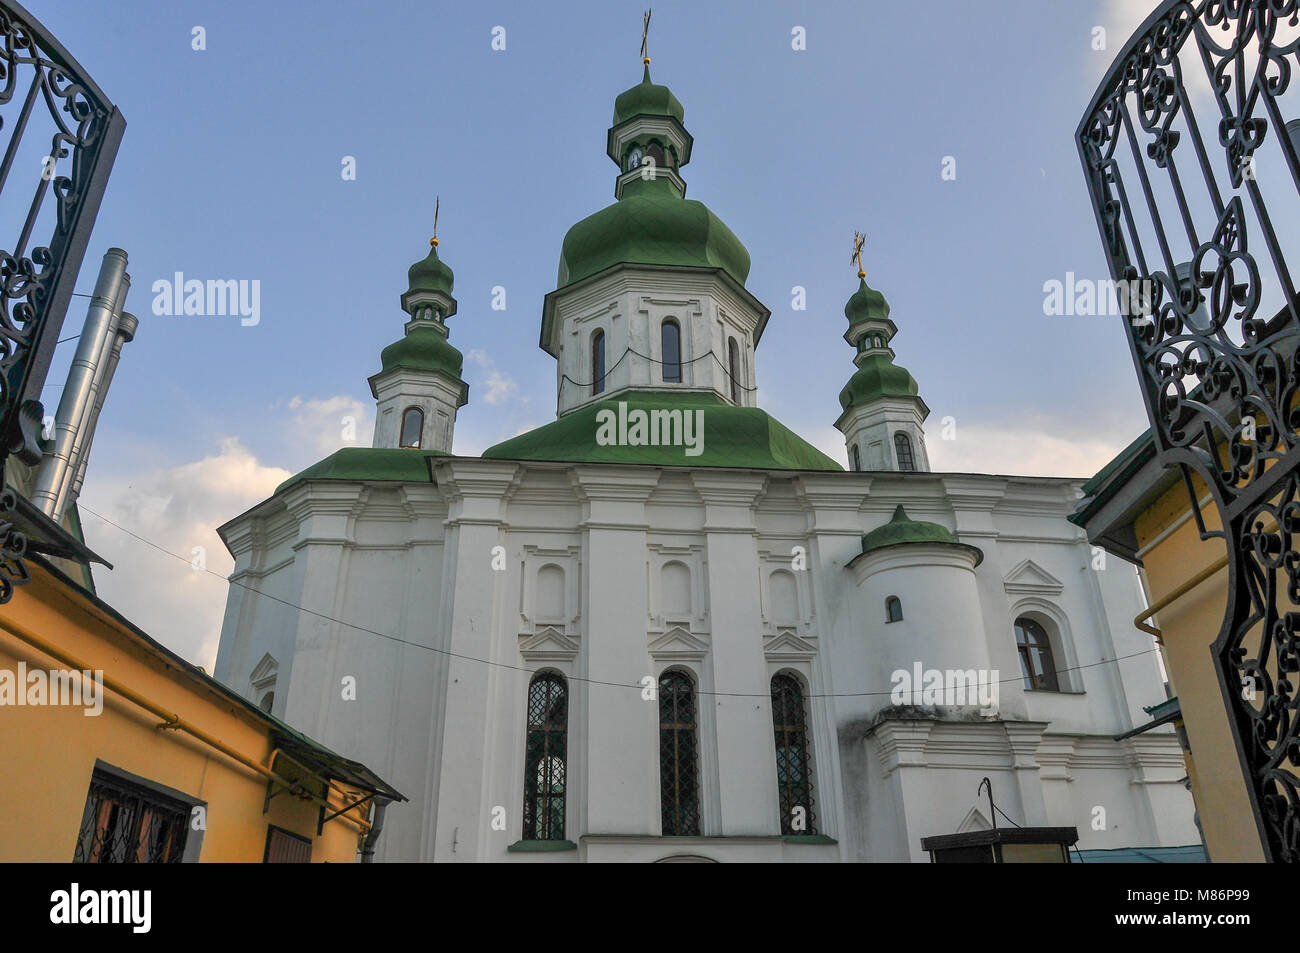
(369, 463)
(733, 437)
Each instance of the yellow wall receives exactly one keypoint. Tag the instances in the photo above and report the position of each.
(1189, 626)
(47, 754)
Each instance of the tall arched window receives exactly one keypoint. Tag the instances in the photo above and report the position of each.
(903, 450)
(670, 340)
(857, 461)
(412, 428)
(793, 767)
(679, 775)
(733, 368)
(1036, 662)
(893, 609)
(598, 362)
(545, 757)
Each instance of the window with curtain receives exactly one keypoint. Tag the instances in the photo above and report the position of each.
(412, 428)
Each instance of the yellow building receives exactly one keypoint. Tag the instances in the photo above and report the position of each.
(149, 758)
(1142, 512)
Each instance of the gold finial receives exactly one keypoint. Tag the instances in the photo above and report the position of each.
(434, 240)
(645, 35)
(858, 241)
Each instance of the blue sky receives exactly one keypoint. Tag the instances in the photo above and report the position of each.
(230, 169)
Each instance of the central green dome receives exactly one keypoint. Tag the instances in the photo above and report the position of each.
(652, 224)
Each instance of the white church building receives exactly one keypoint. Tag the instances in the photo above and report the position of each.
(664, 626)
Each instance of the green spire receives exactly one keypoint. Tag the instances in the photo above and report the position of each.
(870, 331)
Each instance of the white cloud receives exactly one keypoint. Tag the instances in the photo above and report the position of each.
(498, 386)
(1021, 450)
(321, 426)
(179, 509)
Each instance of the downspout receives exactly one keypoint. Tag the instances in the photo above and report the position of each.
(371, 837)
(123, 334)
(53, 477)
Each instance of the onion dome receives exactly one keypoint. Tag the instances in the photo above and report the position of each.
(878, 376)
(423, 349)
(866, 304)
(651, 224)
(430, 273)
(647, 99)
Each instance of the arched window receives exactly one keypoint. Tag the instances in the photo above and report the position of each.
(412, 428)
(544, 757)
(670, 340)
(857, 461)
(679, 776)
(893, 609)
(598, 363)
(903, 450)
(733, 368)
(793, 769)
(267, 702)
(1036, 662)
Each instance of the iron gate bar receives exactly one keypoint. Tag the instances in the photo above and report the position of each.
(1250, 468)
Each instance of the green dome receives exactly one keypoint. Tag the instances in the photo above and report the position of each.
(647, 99)
(866, 304)
(430, 274)
(423, 349)
(878, 377)
(651, 224)
(902, 529)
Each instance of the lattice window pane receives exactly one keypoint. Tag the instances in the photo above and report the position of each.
(679, 785)
(793, 772)
(545, 758)
(126, 824)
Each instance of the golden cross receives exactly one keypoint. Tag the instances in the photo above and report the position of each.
(434, 240)
(858, 241)
(645, 35)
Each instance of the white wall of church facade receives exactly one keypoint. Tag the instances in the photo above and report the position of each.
(617, 573)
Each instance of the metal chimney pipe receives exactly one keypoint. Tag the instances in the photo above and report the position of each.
(52, 476)
(84, 434)
(125, 332)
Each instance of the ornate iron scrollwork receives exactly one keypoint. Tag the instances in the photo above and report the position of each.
(41, 85)
(1172, 146)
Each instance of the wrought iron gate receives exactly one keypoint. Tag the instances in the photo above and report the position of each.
(59, 134)
(1192, 173)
